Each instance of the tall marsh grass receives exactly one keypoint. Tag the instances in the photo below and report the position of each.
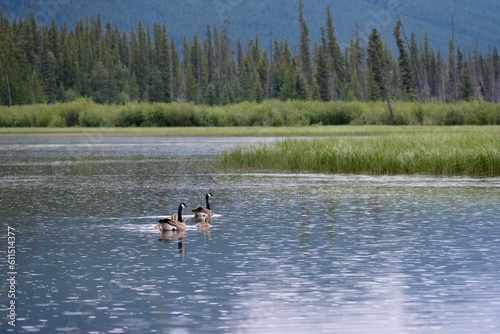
(446, 152)
(86, 113)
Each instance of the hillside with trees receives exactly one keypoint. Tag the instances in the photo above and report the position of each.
(46, 63)
(476, 22)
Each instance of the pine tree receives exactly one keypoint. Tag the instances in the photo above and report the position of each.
(441, 93)
(84, 58)
(141, 62)
(322, 74)
(407, 82)
(198, 69)
(246, 82)
(288, 90)
(69, 61)
(452, 72)
(175, 72)
(336, 61)
(493, 74)
(466, 89)
(49, 63)
(376, 67)
(277, 76)
(160, 79)
(262, 71)
(189, 90)
(210, 56)
(356, 73)
(305, 64)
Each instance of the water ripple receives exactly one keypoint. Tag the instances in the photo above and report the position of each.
(286, 252)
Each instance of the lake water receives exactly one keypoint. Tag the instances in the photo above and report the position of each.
(294, 253)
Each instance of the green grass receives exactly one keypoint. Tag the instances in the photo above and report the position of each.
(468, 151)
(431, 150)
(252, 131)
(243, 131)
(86, 113)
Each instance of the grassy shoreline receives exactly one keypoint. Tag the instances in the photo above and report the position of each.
(274, 113)
(252, 131)
(445, 152)
(430, 150)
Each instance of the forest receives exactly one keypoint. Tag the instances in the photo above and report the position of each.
(45, 64)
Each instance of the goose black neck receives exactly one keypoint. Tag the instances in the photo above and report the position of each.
(208, 204)
(179, 213)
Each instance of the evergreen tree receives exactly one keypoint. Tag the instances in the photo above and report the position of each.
(188, 90)
(407, 82)
(210, 56)
(441, 93)
(493, 75)
(141, 62)
(263, 68)
(84, 58)
(466, 89)
(452, 72)
(304, 50)
(225, 96)
(198, 70)
(176, 76)
(49, 72)
(52, 63)
(160, 78)
(336, 61)
(377, 67)
(288, 90)
(278, 64)
(356, 76)
(69, 61)
(322, 74)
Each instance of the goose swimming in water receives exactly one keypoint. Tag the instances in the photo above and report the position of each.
(201, 212)
(174, 223)
(204, 223)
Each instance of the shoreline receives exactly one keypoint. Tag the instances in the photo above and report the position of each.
(252, 131)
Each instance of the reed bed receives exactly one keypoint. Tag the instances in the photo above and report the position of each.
(444, 152)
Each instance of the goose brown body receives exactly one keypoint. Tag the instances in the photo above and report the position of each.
(175, 223)
(205, 223)
(201, 212)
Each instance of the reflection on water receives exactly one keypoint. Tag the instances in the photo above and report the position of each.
(295, 253)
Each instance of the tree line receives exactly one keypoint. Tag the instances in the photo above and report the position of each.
(47, 64)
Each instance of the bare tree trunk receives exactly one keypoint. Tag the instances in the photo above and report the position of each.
(171, 68)
(390, 109)
(386, 95)
(494, 90)
(455, 65)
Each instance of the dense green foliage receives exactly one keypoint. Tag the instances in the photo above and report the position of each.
(449, 151)
(47, 64)
(85, 113)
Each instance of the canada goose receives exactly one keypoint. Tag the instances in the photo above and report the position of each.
(174, 223)
(173, 217)
(200, 212)
(205, 223)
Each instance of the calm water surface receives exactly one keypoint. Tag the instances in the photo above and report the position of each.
(293, 253)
